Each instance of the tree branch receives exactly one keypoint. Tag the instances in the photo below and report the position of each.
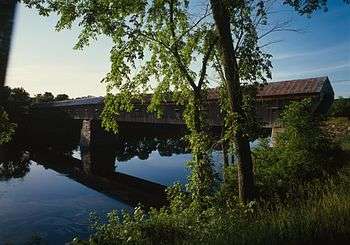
(205, 63)
(174, 48)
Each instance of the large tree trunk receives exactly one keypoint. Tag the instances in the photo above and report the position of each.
(7, 13)
(229, 62)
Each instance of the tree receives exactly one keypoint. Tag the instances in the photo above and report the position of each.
(232, 83)
(160, 36)
(44, 98)
(226, 22)
(174, 45)
(309, 6)
(61, 97)
(7, 13)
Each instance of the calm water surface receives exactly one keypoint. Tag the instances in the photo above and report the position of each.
(44, 200)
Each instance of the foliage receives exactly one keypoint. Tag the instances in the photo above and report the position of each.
(15, 101)
(15, 104)
(14, 168)
(340, 108)
(7, 129)
(302, 153)
(43, 98)
(309, 6)
(320, 214)
(154, 47)
(61, 97)
(345, 142)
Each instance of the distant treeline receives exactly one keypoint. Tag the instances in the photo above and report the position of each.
(36, 127)
(8, 95)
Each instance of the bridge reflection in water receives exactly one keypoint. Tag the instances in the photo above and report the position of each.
(96, 166)
(45, 189)
(96, 170)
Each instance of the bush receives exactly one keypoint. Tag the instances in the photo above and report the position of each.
(340, 108)
(302, 153)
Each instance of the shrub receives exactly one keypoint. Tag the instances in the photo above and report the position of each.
(302, 153)
(340, 108)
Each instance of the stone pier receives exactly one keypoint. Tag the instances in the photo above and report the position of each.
(93, 136)
(87, 133)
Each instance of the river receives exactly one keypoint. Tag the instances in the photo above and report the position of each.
(47, 194)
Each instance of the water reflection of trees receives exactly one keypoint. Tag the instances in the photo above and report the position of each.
(142, 147)
(53, 129)
(13, 165)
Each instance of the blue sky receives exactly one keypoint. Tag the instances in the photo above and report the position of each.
(44, 60)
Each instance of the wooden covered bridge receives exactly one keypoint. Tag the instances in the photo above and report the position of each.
(271, 100)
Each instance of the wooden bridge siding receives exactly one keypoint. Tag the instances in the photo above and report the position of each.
(269, 109)
(172, 114)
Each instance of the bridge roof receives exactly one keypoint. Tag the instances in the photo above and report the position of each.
(74, 102)
(293, 87)
(274, 89)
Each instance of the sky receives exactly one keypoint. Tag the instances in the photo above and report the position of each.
(42, 59)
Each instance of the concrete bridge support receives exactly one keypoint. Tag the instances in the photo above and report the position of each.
(92, 135)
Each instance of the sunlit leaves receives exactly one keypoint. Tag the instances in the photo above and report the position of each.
(7, 129)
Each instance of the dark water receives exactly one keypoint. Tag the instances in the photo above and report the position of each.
(47, 193)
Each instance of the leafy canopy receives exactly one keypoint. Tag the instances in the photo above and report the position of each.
(160, 46)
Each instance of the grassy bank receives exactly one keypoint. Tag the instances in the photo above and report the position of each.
(321, 216)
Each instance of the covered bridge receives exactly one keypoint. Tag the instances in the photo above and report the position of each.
(273, 97)
(271, 100)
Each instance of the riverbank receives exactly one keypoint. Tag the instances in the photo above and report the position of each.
(321, 215)
(313, 211)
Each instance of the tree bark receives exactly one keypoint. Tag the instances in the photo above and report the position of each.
(7, 13)
(232, 80)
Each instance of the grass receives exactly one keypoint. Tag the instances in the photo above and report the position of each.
(321, 218)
